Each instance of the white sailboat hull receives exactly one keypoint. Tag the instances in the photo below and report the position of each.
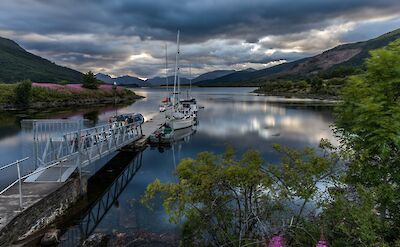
(177, 124)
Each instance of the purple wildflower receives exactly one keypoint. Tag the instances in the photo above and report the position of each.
(276, 241)
(322, 243)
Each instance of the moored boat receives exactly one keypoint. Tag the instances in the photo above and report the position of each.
(163, 135)
(181, 117)
(129, 118)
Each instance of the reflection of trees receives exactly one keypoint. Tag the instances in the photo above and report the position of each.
(93, 116)
(9, 125)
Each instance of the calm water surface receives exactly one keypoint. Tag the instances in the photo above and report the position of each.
(230, 116)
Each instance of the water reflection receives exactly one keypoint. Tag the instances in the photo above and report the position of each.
(230, 116)
(109, 198)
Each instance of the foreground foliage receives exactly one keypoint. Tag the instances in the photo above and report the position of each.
(368, 124)
(228, 201)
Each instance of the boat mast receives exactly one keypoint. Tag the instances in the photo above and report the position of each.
(190, 81)
(166, 66)
(176, 77)
(179, 69)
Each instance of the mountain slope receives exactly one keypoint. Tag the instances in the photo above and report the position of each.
(157, 81)
(125, 80)
(17, 64)
(212, 75)
(352, 54)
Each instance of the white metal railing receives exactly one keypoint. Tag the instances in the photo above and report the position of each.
(83, 147)
(101, 137)
(94, 143)
(20, 178)
(16, 163)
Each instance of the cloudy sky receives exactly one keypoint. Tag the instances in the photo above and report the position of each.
(121, 37)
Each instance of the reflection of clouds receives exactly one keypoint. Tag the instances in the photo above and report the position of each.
(243, 106)
(292, 123)
(225, 119)
(247, 120)
(269, 121)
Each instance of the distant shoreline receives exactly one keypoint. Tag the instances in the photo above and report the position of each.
(54, 96)
(302, 98)
(66, 104)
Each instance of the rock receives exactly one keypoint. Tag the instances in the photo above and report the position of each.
(96, 240)
(51, 238)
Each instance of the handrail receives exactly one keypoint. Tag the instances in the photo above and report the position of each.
(14, 163)
(120, 125)
(16, 181)
(20, 178)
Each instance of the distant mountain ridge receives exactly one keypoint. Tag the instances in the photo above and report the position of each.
(158, 81)
(125, 80)
(351, 54)
(17, 64)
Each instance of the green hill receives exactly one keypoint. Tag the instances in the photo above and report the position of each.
(17, 64)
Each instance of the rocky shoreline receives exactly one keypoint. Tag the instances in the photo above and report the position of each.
(131, 238)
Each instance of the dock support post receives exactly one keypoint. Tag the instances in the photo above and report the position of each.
(61, 168)
(35, 144)
(20, 185)
(78, 159)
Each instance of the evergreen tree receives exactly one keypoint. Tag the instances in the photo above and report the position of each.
(90, 81)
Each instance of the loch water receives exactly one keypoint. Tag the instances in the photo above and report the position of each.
(231, 116)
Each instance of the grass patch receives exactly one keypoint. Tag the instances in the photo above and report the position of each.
(62, 93)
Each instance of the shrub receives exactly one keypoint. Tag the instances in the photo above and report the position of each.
(23, 93)
(63, 82)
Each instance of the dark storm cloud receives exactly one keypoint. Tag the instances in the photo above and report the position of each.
(103, 34)
(199, 20)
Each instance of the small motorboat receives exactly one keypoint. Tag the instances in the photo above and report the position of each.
(163, 135)
(166, 135)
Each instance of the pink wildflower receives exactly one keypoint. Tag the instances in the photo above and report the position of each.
(322, 243)
(276, 241)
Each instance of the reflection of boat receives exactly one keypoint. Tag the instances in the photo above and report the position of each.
(183, 134)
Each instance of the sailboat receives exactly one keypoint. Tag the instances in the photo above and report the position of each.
(179, 118)
(189, 104)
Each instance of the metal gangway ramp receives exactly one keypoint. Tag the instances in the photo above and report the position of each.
(60, 154)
